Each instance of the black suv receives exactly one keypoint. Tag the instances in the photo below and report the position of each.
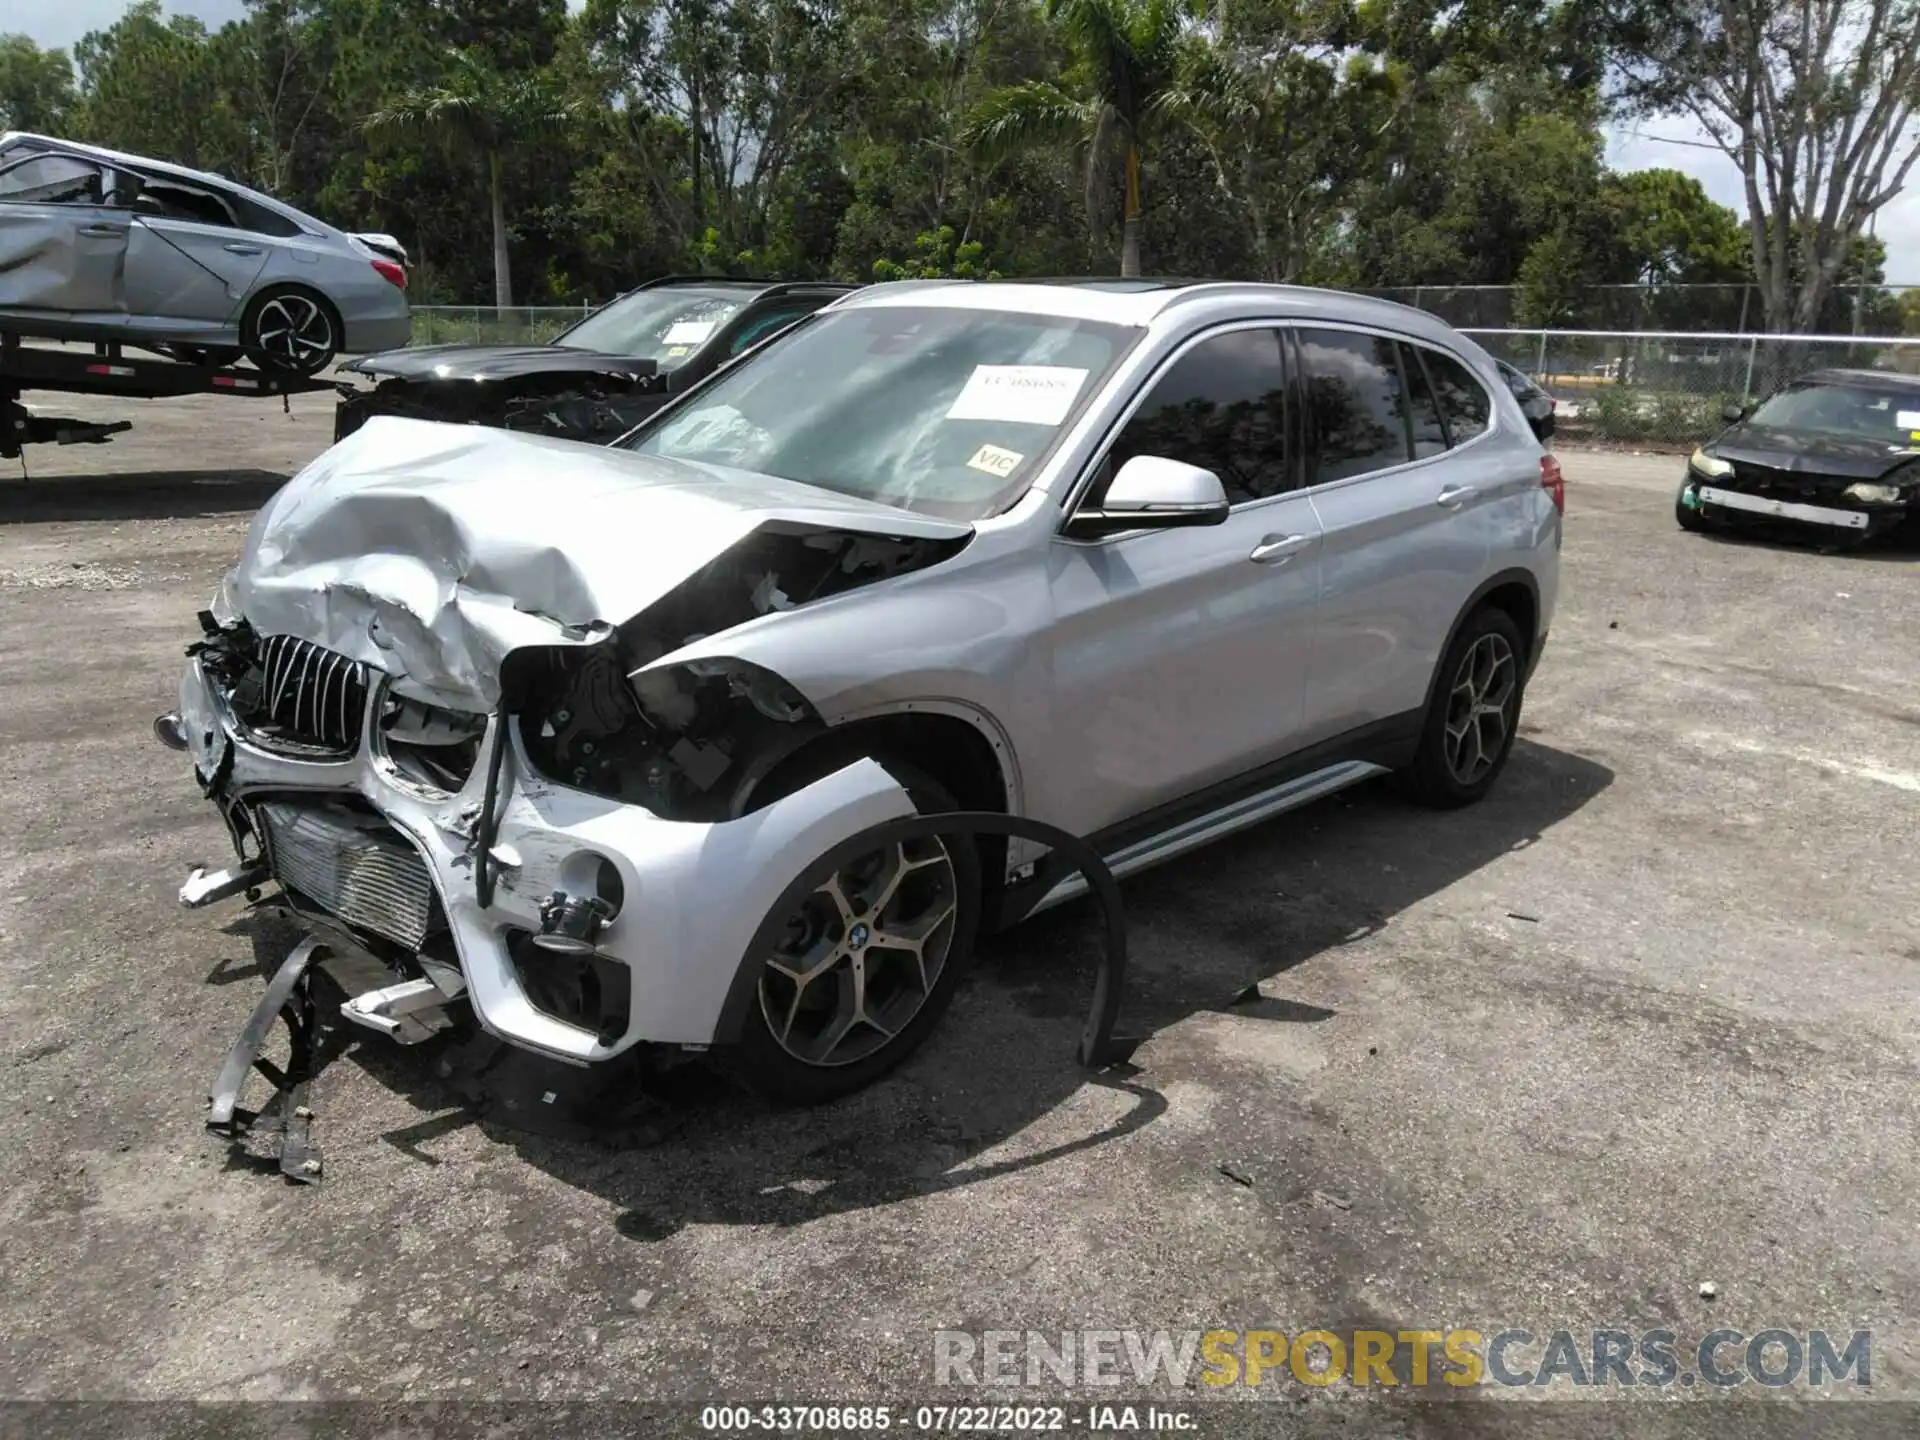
(597, 379)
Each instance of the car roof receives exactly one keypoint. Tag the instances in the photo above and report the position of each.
(162, 167)
(1882, 379)
(1141, 303)
(755, 284)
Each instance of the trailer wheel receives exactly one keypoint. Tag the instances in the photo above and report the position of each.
(290, 330)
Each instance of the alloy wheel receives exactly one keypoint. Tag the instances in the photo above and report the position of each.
(1480, 707)
(293, 332)
(861, 954)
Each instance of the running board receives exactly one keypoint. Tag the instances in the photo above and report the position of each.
(1205, 829)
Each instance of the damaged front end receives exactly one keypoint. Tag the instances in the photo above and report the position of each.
(581, 851)
(537, 391)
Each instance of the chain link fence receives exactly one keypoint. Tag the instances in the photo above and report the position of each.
(490, 325)
(1849, 309)
(1665, 390)
(1647, 387)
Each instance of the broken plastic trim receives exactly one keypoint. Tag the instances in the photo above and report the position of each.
(290, 999)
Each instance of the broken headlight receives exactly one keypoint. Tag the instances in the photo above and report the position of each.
(681, 740)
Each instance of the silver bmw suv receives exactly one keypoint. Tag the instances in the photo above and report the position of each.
(551, 731)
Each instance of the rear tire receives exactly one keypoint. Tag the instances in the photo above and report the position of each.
(1475, 711)
(927, 892)
(290, 331)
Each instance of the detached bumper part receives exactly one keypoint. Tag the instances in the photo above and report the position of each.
(287, 1112)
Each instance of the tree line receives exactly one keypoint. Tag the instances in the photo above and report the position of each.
(533, 154)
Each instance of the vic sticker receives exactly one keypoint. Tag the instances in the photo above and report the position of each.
(994, 460)
(1018, 394)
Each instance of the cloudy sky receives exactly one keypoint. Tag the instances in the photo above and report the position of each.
(61, 22)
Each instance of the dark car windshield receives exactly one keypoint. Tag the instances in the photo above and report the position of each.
(665, 325)
(946, 411)
(1857, 412)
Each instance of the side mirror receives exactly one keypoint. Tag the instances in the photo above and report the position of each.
(1734, 413)
(1152, 493)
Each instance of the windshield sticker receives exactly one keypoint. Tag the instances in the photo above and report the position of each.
(1908, 420)
(1018, 394)
(675, 352)
(688, 332)
(995, 461)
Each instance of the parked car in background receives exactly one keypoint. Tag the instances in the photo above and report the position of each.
(599, 378)
(1833, 454)
(97, 245)
(559, 732)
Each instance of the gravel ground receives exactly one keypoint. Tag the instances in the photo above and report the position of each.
(1646, 1019)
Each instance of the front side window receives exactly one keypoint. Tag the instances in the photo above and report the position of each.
(665, 325)
(52, 180)
(769, 324)
(1221, 406)
(1356, 405)
(947, 411)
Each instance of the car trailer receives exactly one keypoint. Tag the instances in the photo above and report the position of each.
(104, 369)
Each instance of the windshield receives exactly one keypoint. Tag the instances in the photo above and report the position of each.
(945, 411)
(1850, 410)
(665, 325)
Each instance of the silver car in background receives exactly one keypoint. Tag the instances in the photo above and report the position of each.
(559, 730)
(96, 245)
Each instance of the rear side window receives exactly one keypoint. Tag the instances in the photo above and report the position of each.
(1429, 432)
(1463, 398)
(1222, 406)
(1356, 405)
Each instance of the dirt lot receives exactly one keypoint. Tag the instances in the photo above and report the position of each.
(1646, 1019)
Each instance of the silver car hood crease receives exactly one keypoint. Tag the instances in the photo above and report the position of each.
(430, 551)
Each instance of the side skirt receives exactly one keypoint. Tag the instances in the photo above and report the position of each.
(1173, 830)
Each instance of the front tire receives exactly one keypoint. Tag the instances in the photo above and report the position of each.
(1475, 711)
(291, 331)
(865, 967)
(1689, 517)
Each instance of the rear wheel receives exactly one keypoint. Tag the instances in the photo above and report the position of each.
(290, 330)
(864, 966)
(1475, 711)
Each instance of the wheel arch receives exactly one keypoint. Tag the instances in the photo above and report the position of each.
(1515, 591)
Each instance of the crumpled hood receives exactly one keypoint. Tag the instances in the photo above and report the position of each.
(1810, 453)
(429, 551)
(456, 362)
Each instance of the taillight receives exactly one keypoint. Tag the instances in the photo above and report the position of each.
(1553, 482)
(396, 274)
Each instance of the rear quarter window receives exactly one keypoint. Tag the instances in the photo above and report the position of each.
(1464, 400)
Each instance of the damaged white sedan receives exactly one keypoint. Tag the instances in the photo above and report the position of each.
(551, 731)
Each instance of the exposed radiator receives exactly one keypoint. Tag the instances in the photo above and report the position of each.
(352, 866)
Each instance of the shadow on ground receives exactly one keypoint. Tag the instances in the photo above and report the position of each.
(139, 495)
(1204, 933)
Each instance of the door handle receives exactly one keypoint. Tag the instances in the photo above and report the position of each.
(1454, 496)
(104, 232)
(241, 249)
(1278, 549)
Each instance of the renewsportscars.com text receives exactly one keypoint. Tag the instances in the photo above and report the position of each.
(1510, 1358)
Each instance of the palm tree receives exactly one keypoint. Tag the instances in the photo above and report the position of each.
(1126, 53)
(478, 113)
